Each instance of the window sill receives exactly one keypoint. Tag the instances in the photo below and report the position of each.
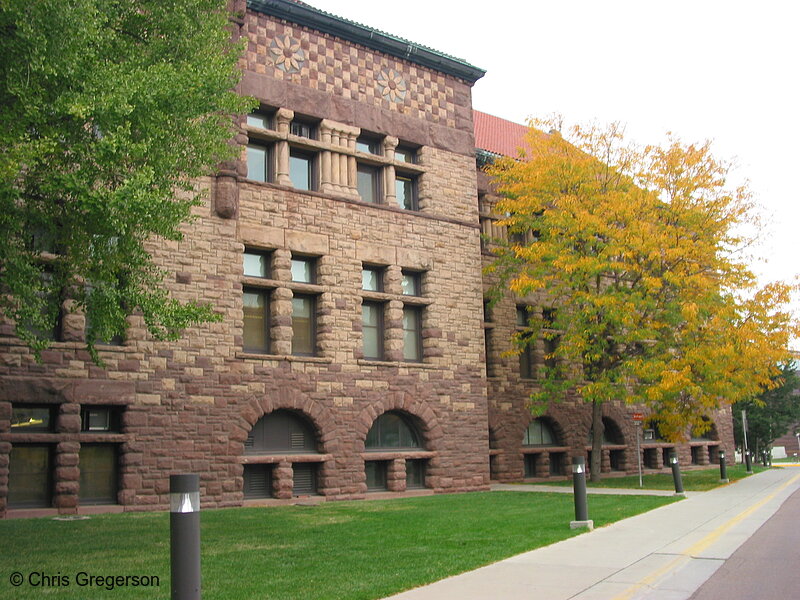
(287, 357)
(540, 449)
(411, 453)
(274, 458)
(394, 363)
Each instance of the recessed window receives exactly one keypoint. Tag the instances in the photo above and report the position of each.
(304, 269)
(369, 183)
(260, 120)
(30, 476)
(258, 162)
(405, 154)
(281, 431)
(100, 418)
(411, 283)
(301, 169)
(392, 430)
(257, 481)
(256, 320)
(32, 419)
(412, 333)
(376, 472)
(304, 325)
(539, 433)
(98, 474)
(522, 316)
(369, 145)
(372, 329)
(372, 279)
(256, 264)
(406, 192)
(303, 129)
(415, 473)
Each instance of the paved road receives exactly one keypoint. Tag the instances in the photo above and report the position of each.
(765, 567)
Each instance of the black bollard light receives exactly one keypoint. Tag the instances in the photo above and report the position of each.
(723, 468)
(748, 462)
(579, 494)
(184, 529)
(676, 473)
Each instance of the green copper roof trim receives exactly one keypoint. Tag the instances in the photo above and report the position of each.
(306, 15)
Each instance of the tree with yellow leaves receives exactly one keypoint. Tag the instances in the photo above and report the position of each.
(638, 252)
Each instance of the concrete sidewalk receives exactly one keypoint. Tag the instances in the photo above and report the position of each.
(665, 554)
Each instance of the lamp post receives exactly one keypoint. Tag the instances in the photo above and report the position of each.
(723, 468)
(579, 494)
(184, 529)
(676, 474)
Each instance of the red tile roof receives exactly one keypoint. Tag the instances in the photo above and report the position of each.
(497, 135)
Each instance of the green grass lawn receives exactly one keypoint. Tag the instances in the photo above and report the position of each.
(693, 481)
(338, 550)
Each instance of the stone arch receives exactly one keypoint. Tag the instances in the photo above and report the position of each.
(418, 411)
(552, 423)
(317, 415)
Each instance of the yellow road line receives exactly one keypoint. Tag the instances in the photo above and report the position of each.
(701, 545)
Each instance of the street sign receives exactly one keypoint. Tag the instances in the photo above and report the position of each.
(637, 416)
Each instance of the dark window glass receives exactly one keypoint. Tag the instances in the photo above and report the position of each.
(260, 120)
(531, 462)
(391, 430)
(527, 366)
(411, 283)
(303, 325)
(556, 463)
(406, 192)
(31, 418)
(304, 478)
(412, 334)
(257, 481)
(539, 433)
(376, 474)
(258, 160)
(368, 144)
(29, 477)
(405, 154)
(256, 320)
(303, 129)
(301, 170)
(304, 270)
(369, 183)
(98, 474)
(100, 418)
(415, 474)
(372, 329)
(372, 279)
(256, 264)
(522, 316)
(281, 431)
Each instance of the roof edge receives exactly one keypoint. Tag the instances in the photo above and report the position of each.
(306, 15)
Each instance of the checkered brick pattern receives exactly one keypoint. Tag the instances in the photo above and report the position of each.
(338, 67)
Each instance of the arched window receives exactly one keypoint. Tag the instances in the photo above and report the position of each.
(281, 431)
(539, 433)
(611, 433)
(392, 431)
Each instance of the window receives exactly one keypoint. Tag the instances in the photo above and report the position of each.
(372, 329)
(301, 169)
(256, 264)
(259, 162)
(304, 269)
(551, 339)
(391, 430)
(527, 364)
(406, 192)
(304, 129)
(304, 325)
(405, 154)
(412, 333)
(415, 473)
(304, 479)
(281, 431)
(100, 418)
(376, 471)
(32, 418)
(257, 481)
(372, 279)
(98, 474)
(260, 120)
(369, 144)
(256, 320)
(539, 433)
(557, 463)
(369, 183)
(29, 476)
(411, 283)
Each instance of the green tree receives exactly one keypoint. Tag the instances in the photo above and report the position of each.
(110, 110)
(635, 254)
(770, 415)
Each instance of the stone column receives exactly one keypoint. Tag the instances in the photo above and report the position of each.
(396, 475)
(389, 195)
(283, 119)
(281, 305)
(283, 480)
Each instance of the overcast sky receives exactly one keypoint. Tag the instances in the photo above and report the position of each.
(725, 71)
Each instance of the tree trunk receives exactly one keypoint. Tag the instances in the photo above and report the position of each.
(597, 441)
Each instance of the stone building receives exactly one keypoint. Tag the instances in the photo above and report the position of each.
(343, 251)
